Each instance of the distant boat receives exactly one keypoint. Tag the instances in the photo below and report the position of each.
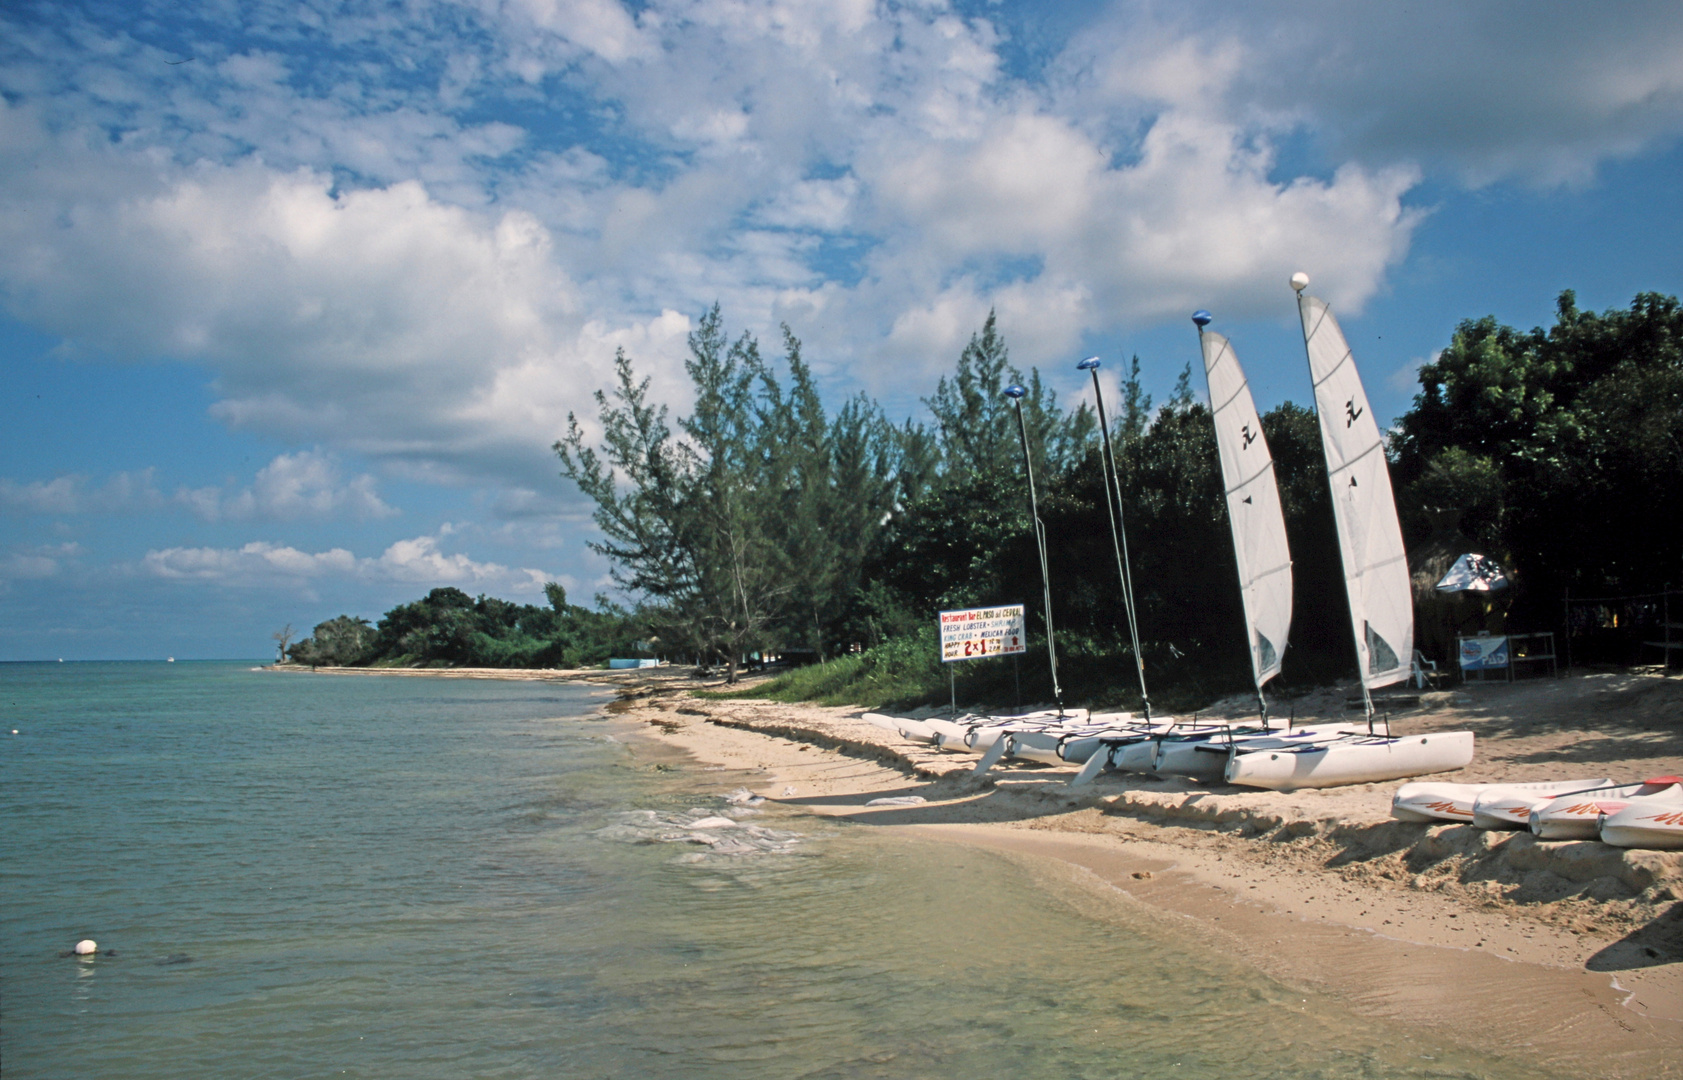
(171, 660)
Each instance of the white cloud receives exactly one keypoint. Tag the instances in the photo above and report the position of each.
(36, 562)
(418, 561)
(256, 561)
(364, 270)
(1540, 90)
(307, 484)
(1406, 379)
(292, 486)
(123, 492)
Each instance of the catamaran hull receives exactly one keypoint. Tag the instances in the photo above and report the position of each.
(1078, 750)
(971, 733)
(1063, 747)
(950, 736)
(1353, 760)
(1436, 800)
(1135, 757)
(1042, 746)
(1206, 758)
(1142, 757)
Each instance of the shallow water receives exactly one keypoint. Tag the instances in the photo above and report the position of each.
(401, 877)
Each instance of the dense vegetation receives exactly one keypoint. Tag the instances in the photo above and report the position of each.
(762, 522)
(1564, 448)
(449, 628)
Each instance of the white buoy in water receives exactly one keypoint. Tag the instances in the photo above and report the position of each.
(87, 947)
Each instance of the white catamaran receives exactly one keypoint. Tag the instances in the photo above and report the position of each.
(1265, 585)
(1375, 578)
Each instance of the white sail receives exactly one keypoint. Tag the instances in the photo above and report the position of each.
(1253, 507)
(1369, 539)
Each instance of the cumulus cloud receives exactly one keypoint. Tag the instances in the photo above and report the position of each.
(307, 484)
(256, 561)
(363, 268)
(419, 561)
(1545, 91)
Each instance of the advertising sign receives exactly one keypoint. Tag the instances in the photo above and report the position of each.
(1484, 653)
(978, 632)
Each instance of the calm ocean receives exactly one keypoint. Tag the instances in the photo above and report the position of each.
(412, 878)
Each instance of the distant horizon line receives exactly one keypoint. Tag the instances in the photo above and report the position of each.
(150, 660)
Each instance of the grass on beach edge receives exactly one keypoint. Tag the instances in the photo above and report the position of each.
(907, 672)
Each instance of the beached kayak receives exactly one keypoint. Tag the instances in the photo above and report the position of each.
(1645, 823)
(1578, 816)
(1436, 800)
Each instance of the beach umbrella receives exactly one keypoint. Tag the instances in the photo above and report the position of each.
(1474, 573)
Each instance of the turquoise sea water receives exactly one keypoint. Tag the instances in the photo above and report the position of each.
(312, 876)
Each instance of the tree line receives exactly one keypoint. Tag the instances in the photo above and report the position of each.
(762, 521)
(449, 628)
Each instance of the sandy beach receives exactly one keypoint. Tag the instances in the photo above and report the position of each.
(1567, 954)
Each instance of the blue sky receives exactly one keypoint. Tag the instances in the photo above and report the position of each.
(296, 296)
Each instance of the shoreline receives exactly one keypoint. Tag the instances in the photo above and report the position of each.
(1446, 927)
(584, 675)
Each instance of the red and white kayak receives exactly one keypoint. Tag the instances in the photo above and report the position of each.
(1509, 806)
(1436, 800)
(1578, 816)
(1646, 823)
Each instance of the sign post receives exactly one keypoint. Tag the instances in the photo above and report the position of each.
(974, 633)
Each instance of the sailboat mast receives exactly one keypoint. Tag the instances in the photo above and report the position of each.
(1015, 393)
(1118, 530)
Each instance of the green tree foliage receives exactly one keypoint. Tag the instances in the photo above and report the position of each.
(449, 628)
(339, 642)
(1563, 448)
(976, 425)
(967, 542)
(766, 522)
(962, 537)
(746, 533)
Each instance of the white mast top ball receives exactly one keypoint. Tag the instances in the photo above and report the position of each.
(1300, 281)
(87, 947)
